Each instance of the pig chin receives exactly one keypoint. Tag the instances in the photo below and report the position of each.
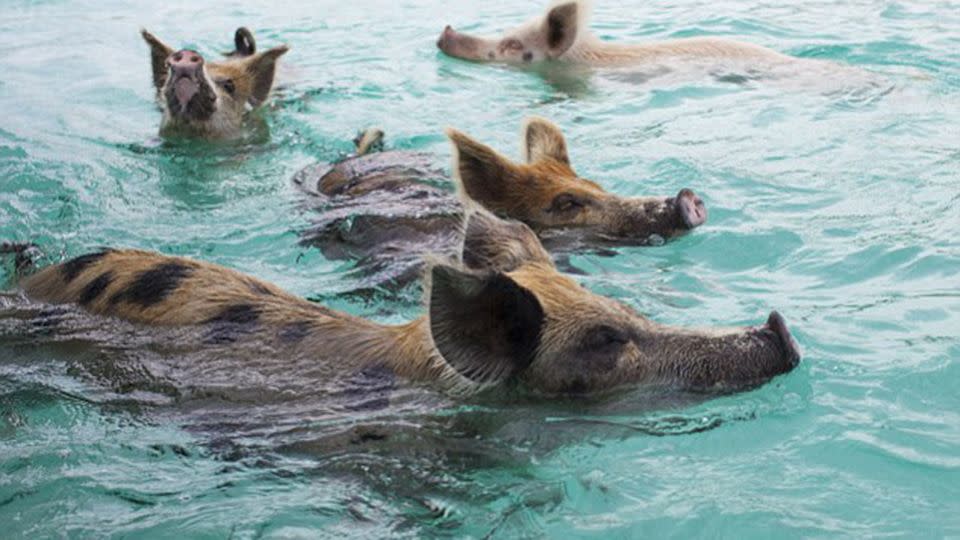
(190, 99)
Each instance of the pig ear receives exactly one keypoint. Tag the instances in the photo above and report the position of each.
(560, 27)
(486, 327)
(542, 140)
(243, 42)
(159, 51)
(483, 173)
(497, 245)
(262, 68)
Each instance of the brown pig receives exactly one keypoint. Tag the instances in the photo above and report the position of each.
(547, 194)
(387, 208)
(210, 99)
(562, 34)
(501, 317)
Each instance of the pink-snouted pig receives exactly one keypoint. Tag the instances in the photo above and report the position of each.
(210, 99)
(563, 34)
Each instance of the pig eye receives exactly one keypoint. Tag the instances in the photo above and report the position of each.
(227, 84)
(566, 203)
(605, 339)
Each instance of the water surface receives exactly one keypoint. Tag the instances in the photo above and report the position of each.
(838, 208)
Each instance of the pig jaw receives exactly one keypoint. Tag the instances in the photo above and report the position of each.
(188, 92)
(189, 99)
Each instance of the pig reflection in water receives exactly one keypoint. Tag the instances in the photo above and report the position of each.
(210, 99)
(388, 209)
(501, 318)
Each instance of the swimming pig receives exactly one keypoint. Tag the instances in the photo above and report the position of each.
(501, 317)
(389, 208)
(210, 99)
(562, 34)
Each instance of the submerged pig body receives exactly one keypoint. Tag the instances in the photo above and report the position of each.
(385, 210)
(502, 317)
(389, 209)
(210, 99)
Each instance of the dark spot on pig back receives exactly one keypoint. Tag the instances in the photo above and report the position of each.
(74, 267)
(95, 288)
(49, 318)
(233, 322)
(295, 332)
(153, 286)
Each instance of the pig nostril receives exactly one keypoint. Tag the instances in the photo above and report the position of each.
(194, 59)
(177, 57)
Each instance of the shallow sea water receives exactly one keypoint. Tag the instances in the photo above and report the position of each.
(839, 209)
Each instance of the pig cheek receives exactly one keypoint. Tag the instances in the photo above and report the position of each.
(634, 369)
(544, 377)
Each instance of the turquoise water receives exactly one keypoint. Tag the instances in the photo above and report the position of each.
(837, 208)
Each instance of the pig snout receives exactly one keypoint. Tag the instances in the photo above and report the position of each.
(691, 208)
(460, 45)
(185, 63)
(448, 36)
(186, 69)
(776, 327)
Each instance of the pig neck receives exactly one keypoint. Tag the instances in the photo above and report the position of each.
(406, 349)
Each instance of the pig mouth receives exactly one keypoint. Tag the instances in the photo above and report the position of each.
(189, 97)
(184, 90)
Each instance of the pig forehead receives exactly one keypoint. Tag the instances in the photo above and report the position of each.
(560, 177)
(226, 70)
(530, 31)
(563, 298)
